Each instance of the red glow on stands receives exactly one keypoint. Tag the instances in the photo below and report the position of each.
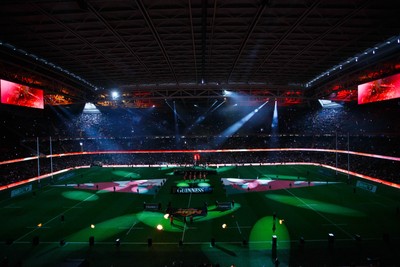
(347, 95)
(290, 101)
(141, 93)
(291, 98)
(343, 95)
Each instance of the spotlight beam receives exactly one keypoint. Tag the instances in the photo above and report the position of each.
(176, 125)
(176, 114)
(201, 117)
(214, 109)
(274, 123)
(237, 125)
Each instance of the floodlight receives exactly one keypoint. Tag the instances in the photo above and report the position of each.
(274, 241)
(331, 238)
(90, 108)
(326, 103)
(227, 93)
(114, 94)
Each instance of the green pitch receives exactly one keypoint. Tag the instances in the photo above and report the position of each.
(243, 210)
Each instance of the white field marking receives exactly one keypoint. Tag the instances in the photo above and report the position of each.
(12, 207)
(33, 227)
(132, 226)
(308, 205)
(128, 175)
(73, 207)
(184, 224)
(190, 200)
(127, 228)
(193, 243)
(191, 227)
(58, 216)
(238, 227)
(4, 200)
(323, 216)
(235, 227)
(327, 224)
(184, 230)
(48, 190)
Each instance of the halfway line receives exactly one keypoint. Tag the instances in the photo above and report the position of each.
(133, 224)
(184, 224)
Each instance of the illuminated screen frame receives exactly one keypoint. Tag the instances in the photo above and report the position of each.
(379, 90)
(21, 95)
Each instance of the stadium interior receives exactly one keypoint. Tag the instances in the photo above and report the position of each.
(98, 84)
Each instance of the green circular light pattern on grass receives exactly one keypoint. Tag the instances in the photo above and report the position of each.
(165, 168)
(80, 195)
(201, 168)
(261, 234)
(225, 168)
(203, 184)
(182, 184)
(227, 253)
(126, 174)
(153, 219)
(105, 230)
(312, 204)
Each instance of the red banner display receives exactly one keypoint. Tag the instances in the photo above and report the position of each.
(378, 90)
(21, 95)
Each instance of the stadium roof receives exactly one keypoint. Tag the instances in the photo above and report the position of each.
(80, 50)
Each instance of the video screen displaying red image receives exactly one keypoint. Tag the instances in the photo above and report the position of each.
(378, 90)
(21, 95)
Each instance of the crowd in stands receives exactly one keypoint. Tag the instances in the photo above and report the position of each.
(369, 129)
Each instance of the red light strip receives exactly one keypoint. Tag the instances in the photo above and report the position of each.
(210, 151)
(205, 151)
(38, 178)
(213, 165)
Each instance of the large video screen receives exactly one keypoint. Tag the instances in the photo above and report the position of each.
(378, 90)
(21, 95)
